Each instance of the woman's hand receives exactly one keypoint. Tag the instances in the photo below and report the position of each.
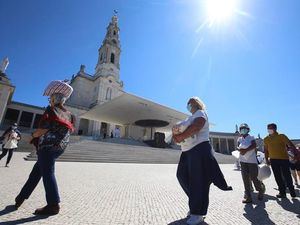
(242, 151)
(175, 129)
(178, 138)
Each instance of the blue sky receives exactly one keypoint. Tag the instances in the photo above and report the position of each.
(245, 70)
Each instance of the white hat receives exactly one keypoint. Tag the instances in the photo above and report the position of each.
(60, 87)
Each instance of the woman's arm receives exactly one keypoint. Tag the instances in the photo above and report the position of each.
(194, 128)
(39, 132)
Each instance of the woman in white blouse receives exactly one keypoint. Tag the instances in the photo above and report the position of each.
(197, 167)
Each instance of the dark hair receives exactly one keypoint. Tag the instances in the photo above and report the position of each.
(273, 125)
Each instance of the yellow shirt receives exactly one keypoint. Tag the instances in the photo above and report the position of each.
(276, 145)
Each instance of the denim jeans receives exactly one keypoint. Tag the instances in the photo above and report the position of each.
(43, 168)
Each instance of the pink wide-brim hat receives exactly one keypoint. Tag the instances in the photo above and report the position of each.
(60, 87)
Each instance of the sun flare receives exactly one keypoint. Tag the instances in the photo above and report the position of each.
(219, 11)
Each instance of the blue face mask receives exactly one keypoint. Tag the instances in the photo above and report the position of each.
(189, 107)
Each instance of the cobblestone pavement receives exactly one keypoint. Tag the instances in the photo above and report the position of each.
(96, 193)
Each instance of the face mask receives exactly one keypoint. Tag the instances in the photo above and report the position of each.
(270, 131)
(189, 107)
(244, 131)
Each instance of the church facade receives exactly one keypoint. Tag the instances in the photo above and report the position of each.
(93, 93)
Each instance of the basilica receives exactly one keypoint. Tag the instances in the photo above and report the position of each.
(100, 104)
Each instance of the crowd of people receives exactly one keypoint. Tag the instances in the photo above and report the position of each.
(197, 167)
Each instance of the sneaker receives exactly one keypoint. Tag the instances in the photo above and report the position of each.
(281, 195)
(247, 200)
(195, 219)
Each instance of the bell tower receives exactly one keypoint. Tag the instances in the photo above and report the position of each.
(109, 53)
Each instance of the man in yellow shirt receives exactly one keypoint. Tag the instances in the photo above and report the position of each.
(276, 155)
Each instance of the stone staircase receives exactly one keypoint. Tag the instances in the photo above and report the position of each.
(96, 151)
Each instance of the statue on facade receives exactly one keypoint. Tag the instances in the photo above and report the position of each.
(4, 65)
(82, 68)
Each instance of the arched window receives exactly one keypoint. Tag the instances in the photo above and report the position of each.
(101, 57)
(112, 58)
(115, 32)
(108, 93)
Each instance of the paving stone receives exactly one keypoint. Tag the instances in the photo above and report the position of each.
(135, 194)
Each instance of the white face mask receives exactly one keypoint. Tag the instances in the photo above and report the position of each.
(270, 131)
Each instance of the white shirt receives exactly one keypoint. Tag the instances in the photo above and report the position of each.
(12, 141)
(249, 156)
(201, 136)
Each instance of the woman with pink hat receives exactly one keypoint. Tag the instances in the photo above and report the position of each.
(50, 139)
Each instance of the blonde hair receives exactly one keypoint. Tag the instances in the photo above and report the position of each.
(198, 102)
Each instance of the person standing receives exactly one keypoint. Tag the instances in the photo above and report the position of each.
(51, 139)
(249, 168)
(276, 155)
(197, 167)
(11, 138)
(294, 157)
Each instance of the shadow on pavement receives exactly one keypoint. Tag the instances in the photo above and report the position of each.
(10, 208)
(183, 222)
(291, 206)
(24, 220)
(257, 214)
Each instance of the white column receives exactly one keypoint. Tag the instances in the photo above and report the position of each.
(96, 129)
(212, 143)
(227, 145)
(19, 117)
(32, 122)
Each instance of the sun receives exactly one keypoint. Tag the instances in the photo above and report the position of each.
(219, 11)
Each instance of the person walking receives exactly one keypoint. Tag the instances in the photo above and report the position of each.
(51, 139)
(249, 165)
(197, 167)
(11, 138)
(276, 155)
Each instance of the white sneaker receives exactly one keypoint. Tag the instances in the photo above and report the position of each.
(195, 219)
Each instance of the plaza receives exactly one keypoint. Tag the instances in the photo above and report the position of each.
(135, 194)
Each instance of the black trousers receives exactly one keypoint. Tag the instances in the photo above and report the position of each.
(197, 169)
(282, 174)
(10, 153)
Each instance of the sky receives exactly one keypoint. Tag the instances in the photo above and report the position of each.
(246, 68)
